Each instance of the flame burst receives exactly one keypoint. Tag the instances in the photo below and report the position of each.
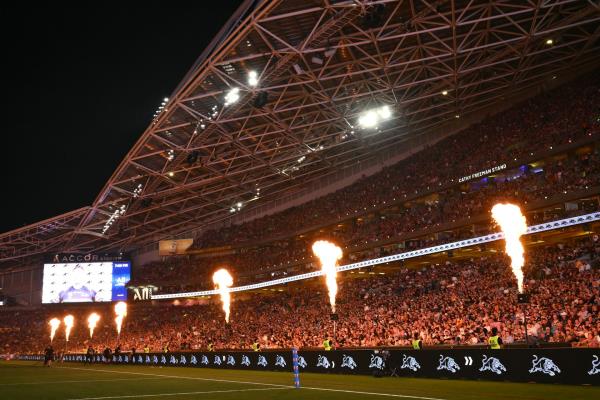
(121, 312)
(513, 224)
(54, 324)
(68, 320)
(92, 321)
(329, 254)
(223, 280)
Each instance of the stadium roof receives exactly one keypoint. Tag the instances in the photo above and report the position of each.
(319, 65)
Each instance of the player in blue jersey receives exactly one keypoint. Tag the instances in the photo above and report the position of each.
(77, 292)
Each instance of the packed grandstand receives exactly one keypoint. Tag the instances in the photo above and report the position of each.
(454, 303)
(542, 152)
(554, 158)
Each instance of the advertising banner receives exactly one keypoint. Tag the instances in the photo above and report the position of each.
(562, 365)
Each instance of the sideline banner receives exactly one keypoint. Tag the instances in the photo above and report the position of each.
(565, 365)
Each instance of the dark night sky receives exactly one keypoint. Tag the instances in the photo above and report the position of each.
(80, 85)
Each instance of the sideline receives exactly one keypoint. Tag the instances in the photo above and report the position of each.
(135, 396)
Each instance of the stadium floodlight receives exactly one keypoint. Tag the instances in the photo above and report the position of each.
(232, 96)
(371, 118)
(384, 112)
(137, 191)
(170, 154)
(444, 93)
(252, 78)
(166, 99)
(368, 119)
(549, 42)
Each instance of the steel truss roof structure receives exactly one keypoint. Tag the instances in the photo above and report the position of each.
(320, 63)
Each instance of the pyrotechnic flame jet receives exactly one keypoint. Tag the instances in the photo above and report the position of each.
(92, 321)
(513, 224)
(121, 312)
(68, 321)
(224, 281)
(329, 254)
(54, 324)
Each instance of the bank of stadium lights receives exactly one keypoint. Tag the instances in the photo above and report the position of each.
(252, 78)
(240, 204)
(214, 111)
(137, 191)
(114, 217)
(372, 118)
(161, 108)
(236, 207)
(200, 125)
(232, 96)
(170, 154)
(314, 149)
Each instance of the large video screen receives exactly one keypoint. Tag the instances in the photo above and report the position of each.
(85, 282)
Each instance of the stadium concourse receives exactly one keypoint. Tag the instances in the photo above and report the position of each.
(381, 127)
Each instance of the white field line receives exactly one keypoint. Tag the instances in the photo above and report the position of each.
(77, 381)
(179, 377)
(137, 396)
(405, 396)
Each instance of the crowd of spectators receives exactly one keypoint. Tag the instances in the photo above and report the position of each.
(457, 302)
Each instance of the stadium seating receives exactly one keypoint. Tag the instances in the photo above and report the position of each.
(454, 303)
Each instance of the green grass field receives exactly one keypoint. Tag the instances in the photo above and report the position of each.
(30, 380)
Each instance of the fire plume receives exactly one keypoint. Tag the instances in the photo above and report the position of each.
(223, 280)
(68, 321)
(121, 312)
(54, 324)
(329, 254)
(92, 321)
(512, 222)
